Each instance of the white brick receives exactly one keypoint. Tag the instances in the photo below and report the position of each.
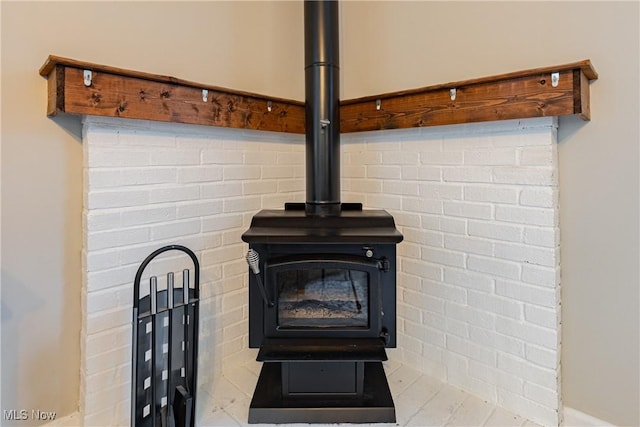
(542, 395)
(118, 158)
(468, 244)
(468, 279)
(261, 157)
(399, 158)
(548, 237)
(427, 173)
(544, 337)
(444, 291)
(468, 210)
(408, 312)
(116, 199)
(357, 171)
(270, 172)
(174, 194)
(391, 202)
(222, 157)
(199, 174)
(538, 413)
(441, 256)
(175, 157)
(259, 187)
(197, 142)
(525, 293)
(523, 369)
(221, 222)
(290, 185)
(543, 276)
(422, 302)
(288, 158)
(538, 156)
(407, 281)
(175, 229)
(241, 204)
(545, 197)
(492, 339)
(471, 315)
(403, 219)
(503, 156)
(147, 139)
(495, 304)
(231, 173)
(221, 190)
(424, 334)
(471, 350)
(222, 255)
(414, 204)
(449, 225)
(148, 215)
(364, 185)
(452, 326)
(494, 194)
(400, 187)
(384, 172)
(102, 260)
(366, 158)
(527, 216)
(467, 174)
(495, 231)
(542, 357)
(102, 300)
(198, 208)
(232, 300)
(421, 269)
(100, 221)
(116, 238)
(548, 257)
(442, 158)
(525, 176)
(547, 318)
(423, 237)
(435, 320)
(106, 320)
(441, 191)
(491, 375)
(493, 266)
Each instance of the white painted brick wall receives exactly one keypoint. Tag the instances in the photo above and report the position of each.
(148, 185)
(485, 251)
(478, 276)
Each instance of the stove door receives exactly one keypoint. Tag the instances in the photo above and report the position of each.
(323, 295)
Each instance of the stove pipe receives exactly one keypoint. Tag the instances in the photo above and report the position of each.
(322, 107)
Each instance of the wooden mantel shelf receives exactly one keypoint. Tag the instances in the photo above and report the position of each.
(115, 92)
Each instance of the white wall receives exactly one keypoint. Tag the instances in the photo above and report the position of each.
(390, 46)
(385, 46)
(479, 268)
(253, 46)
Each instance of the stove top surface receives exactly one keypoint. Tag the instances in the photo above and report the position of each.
(351, 225)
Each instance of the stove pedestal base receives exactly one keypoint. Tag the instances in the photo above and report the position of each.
(271, 406)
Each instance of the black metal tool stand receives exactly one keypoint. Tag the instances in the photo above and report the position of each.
(165, 348)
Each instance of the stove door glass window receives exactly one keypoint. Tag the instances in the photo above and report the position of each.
(322, 298)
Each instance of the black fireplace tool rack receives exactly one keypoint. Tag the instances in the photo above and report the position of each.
(165, 348)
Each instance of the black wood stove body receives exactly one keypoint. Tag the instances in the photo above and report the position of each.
(322, 276)
(322, 310)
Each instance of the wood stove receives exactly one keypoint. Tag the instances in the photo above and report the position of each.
(322, 282)
(322, 310)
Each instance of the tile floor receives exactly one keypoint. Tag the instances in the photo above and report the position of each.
(420, 401)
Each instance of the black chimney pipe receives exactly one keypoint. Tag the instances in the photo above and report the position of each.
(322, 107)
